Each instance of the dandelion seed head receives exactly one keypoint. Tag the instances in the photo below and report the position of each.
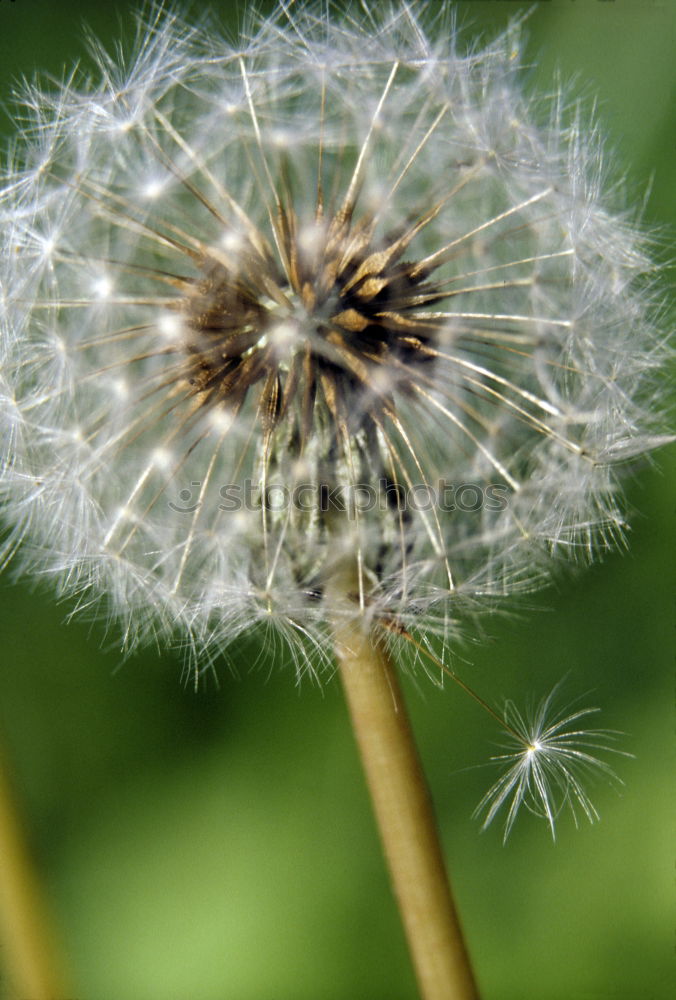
(264, 306)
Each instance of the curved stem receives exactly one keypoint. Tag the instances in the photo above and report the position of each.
(28, 948)
(404, 815)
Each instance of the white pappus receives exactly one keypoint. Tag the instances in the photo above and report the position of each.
(337, 292)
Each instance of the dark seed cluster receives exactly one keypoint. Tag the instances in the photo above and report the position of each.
(326, 322)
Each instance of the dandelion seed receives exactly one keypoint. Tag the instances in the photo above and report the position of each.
(550, 767)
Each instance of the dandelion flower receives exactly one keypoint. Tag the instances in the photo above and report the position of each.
(330, 294)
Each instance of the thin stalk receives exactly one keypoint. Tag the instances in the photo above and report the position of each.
(27, 945)
(403, 810)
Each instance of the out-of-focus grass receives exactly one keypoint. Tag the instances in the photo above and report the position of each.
(220, 844)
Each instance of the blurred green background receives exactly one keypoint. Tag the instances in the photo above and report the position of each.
(219, 844)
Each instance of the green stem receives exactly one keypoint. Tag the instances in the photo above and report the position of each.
(404, 815)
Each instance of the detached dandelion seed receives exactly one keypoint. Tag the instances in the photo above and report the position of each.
(321, 331)
(549, 765)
